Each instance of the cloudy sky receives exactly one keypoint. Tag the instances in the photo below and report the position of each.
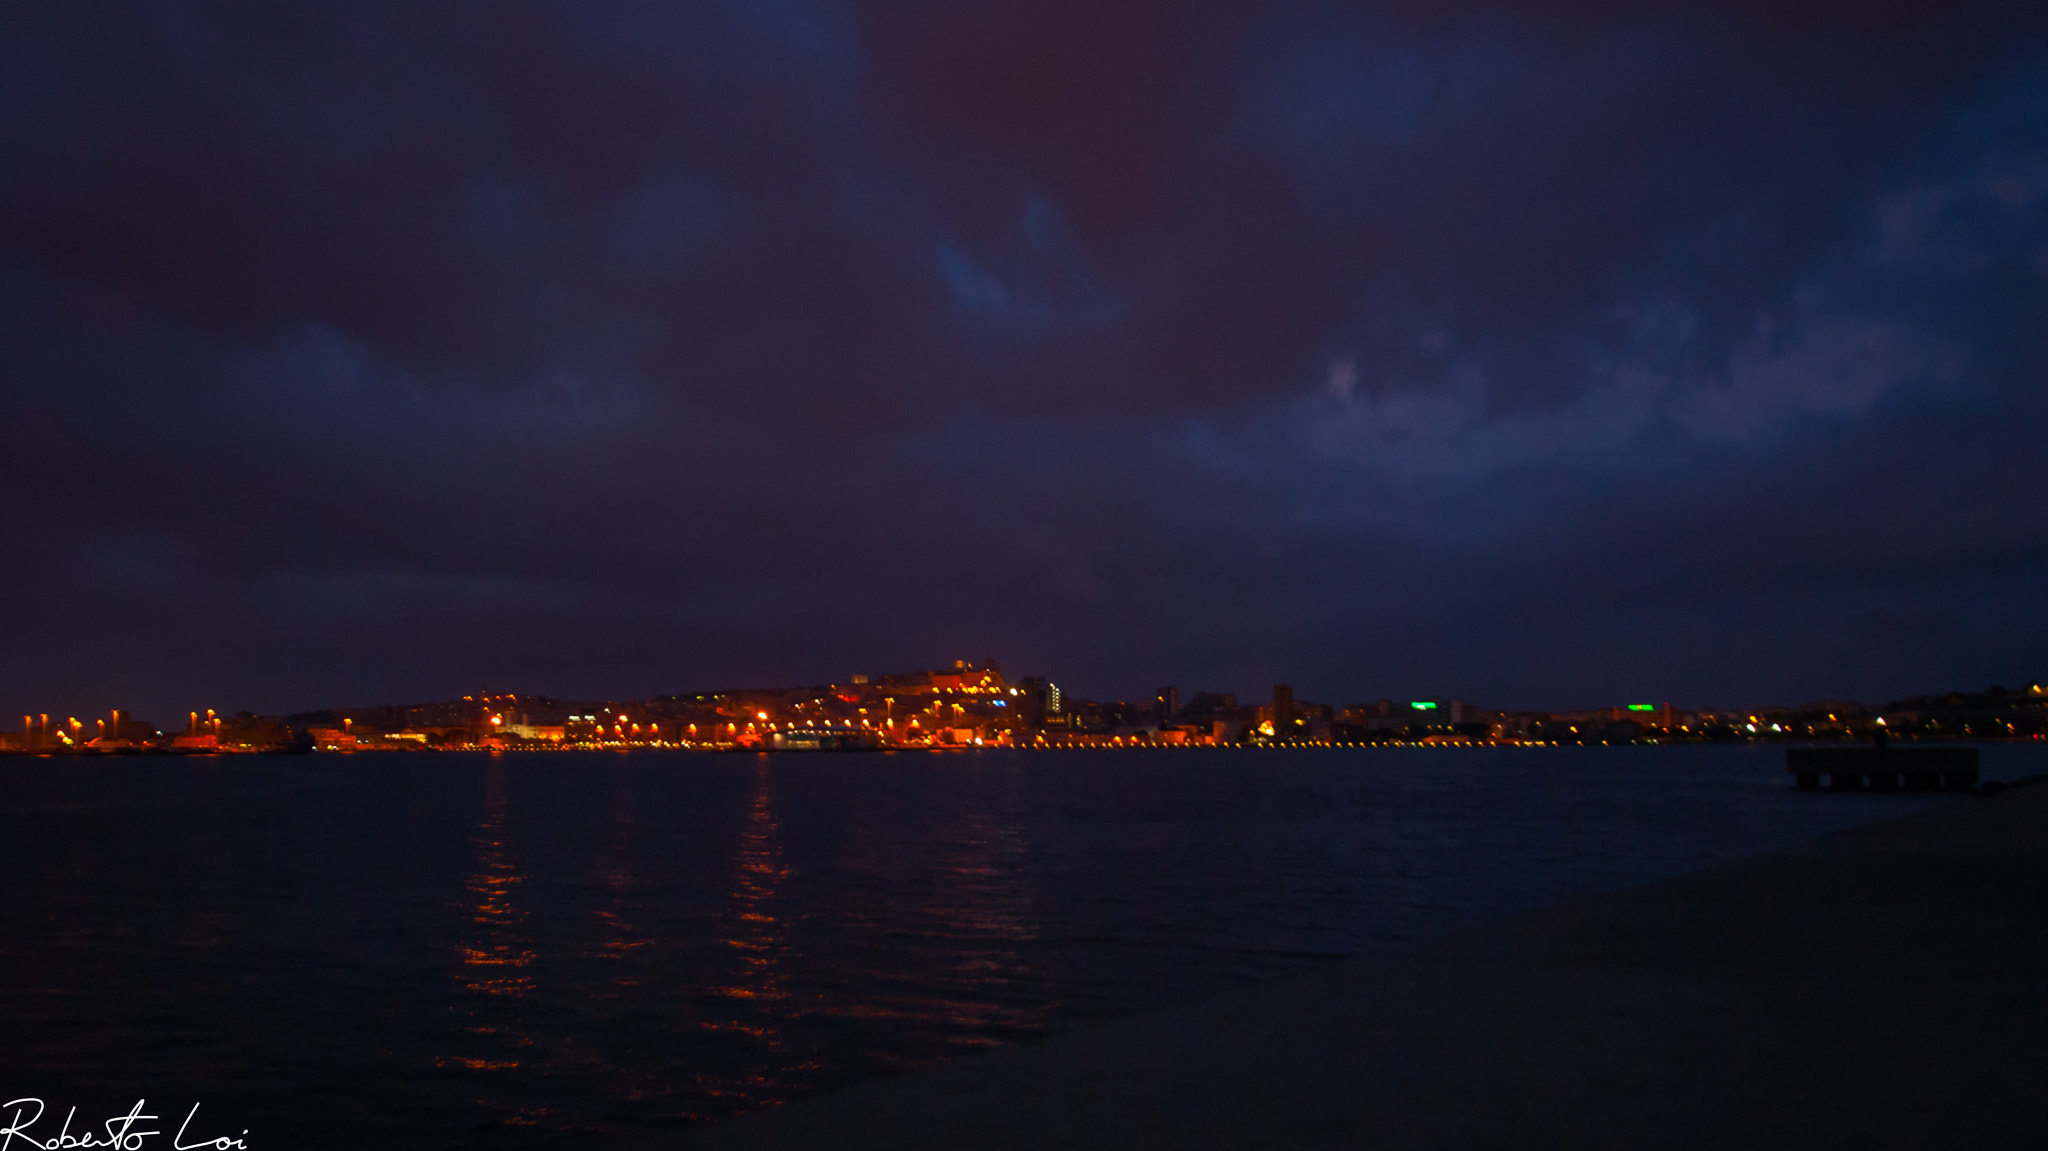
(1543, 355)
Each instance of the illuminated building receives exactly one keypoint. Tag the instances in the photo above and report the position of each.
(1166, 702)
(1038, 702)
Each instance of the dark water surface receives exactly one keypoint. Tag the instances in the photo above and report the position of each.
(579, 950)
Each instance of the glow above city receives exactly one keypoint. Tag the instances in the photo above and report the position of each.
(1466, 350)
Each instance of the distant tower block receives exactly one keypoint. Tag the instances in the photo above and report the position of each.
(1283, 707)
(1167, 702)
(1040, 698)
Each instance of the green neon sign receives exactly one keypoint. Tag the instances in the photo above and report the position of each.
(1423, 706)
(1642, 707)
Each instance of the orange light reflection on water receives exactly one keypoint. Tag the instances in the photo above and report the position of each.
(497, 957)
(759, 940)
(618, 935)
(977, 913)
(500, 951)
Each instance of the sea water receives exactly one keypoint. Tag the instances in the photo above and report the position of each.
(585, 949)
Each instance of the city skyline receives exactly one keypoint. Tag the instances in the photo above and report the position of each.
(973, 704)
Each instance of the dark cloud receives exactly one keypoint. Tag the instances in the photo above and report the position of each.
(377, 351)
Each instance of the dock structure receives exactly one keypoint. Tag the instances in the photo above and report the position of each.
(1883, 768)
(822, 739)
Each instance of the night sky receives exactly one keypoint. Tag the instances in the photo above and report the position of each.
(1541, 355)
